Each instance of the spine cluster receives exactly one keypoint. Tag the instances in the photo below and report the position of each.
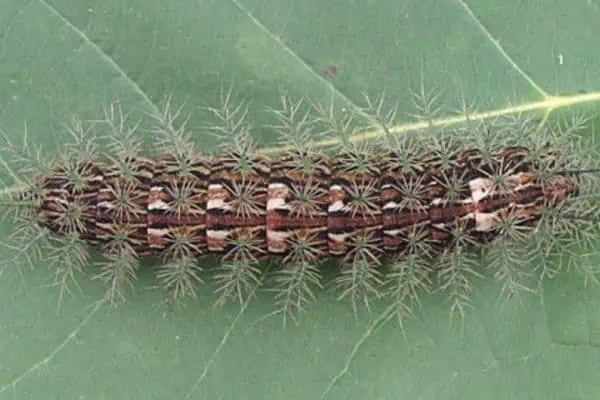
(396, 215)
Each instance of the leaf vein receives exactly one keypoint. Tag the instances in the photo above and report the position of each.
(548, 105)
(108, 59)
(375, 324)
(501, 49)
(52, 354)
(218, 349)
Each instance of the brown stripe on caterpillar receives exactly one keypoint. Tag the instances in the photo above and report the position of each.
(407, 194)
(442, 198)
(69, 198)
(177, 206)
(354, 222)
(298, 199)
(525, 201)
(122, 203)
(236, 207)
(467, 182)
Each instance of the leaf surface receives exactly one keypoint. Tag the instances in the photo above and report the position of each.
(60, 57)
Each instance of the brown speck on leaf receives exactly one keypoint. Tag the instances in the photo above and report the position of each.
(330, 72)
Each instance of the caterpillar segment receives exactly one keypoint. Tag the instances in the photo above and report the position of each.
(354, 221)
(297, 209)
(236, 208)
(177, 207)
(122, 205)
(69, 205)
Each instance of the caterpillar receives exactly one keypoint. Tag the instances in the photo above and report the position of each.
(395, 214)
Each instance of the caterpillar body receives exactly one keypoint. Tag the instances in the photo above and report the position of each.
(276, 207)
(420, 208)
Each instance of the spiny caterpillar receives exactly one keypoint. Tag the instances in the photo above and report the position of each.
(398, 213)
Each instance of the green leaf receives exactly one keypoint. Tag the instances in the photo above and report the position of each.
(64, 57)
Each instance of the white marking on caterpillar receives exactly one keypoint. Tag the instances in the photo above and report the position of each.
(338, 237)
(157, 232)
(217, 235)
(390, 204)
(480, 188)
(277, 186)
(106, 204)
(485, 221)
(277, 235)
(277, 204)
(217, 204)
(158, 205)
(336, 206)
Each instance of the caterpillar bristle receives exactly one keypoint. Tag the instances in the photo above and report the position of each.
(30, 233)
(294, 289)
(232, 127)
(505, 260)
(396, 211)
(169, 127)
(361, 282)
(28, 159)
(124, 142)
(118, 273)
(456, 272)
(408, 278)
(332, 123)
(31, 242)
(82, 147)
(308, 198)
(383, 116)
(180, 278)
(68, 259)
(236, 280)
(426, 103)
(294, 125)
(183, 196)
(466, 108)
